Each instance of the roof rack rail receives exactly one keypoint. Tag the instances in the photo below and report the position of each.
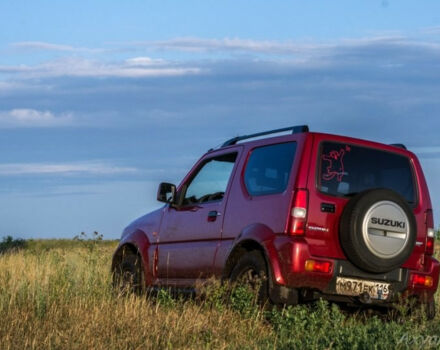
(294, 129)
(398, 145)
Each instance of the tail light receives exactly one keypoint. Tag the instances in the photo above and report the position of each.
(430, 233)
(298, 219)
(318, 266)
(422, 280)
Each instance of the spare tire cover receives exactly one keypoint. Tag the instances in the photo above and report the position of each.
(378, 230)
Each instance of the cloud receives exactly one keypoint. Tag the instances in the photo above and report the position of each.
(435, 30)
(31, 118)
(15, 69)
(349, 85)
(228, 44)
(383, 88)
(238, 45)
(188, 44)
(144, 62)
(137, 67)
(39, 45)
(9, 86)
(44, 46)
(387, 51)
(88, 168)
(272, 47)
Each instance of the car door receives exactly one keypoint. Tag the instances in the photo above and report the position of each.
(190, 232)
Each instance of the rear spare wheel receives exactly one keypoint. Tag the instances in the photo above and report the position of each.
(378, 230)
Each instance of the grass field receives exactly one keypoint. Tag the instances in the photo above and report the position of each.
(58, 295)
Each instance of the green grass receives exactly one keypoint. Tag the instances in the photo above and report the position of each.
(57, 295)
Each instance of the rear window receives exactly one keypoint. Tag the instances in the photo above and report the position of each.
(268, 169)
(346, 170)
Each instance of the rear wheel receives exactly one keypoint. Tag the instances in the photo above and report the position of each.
(128, 276)
(251, 271)
(429, 309)
(413, 308)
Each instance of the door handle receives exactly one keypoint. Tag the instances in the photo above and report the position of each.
(212, 215)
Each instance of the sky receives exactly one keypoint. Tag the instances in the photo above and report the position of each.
(100, 101)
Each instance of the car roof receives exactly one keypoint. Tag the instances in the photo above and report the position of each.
(319, 136)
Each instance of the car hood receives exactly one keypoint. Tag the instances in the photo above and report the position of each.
(148, 223)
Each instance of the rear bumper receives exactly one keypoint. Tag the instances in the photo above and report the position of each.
(292, 257)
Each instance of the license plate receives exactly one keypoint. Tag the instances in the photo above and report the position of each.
(355, 287)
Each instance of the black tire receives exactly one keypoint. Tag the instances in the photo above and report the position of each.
(429, 309)
(128, 276)
(251, 270)
(352, 237)
(415, 309)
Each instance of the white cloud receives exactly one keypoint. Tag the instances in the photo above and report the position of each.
(89, 68)
(298, 52)
(196, 44)
(191, 44)
(14, 69)
(29, 118)
(39, 45)
(144, 61)
(314, 54)
(44, 46)
(88, 168)
(185, 44)
(81, 67)
(9, 86)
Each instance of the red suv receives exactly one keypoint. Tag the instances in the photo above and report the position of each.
(315, 215)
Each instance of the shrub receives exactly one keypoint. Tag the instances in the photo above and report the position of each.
(9, 244)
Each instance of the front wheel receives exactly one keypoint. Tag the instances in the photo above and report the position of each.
(128, 276)
(251, 272)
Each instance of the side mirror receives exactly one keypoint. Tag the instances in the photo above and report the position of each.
(166, 192)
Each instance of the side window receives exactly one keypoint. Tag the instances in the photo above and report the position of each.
(268, 169)
(210, 182)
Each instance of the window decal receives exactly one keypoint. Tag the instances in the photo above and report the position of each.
(335, 166)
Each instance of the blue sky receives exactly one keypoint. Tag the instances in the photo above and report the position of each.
(102, 100)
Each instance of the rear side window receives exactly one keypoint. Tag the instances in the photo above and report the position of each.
(268, 169)
(346, 170)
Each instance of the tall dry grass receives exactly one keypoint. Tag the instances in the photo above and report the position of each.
(61, 298)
